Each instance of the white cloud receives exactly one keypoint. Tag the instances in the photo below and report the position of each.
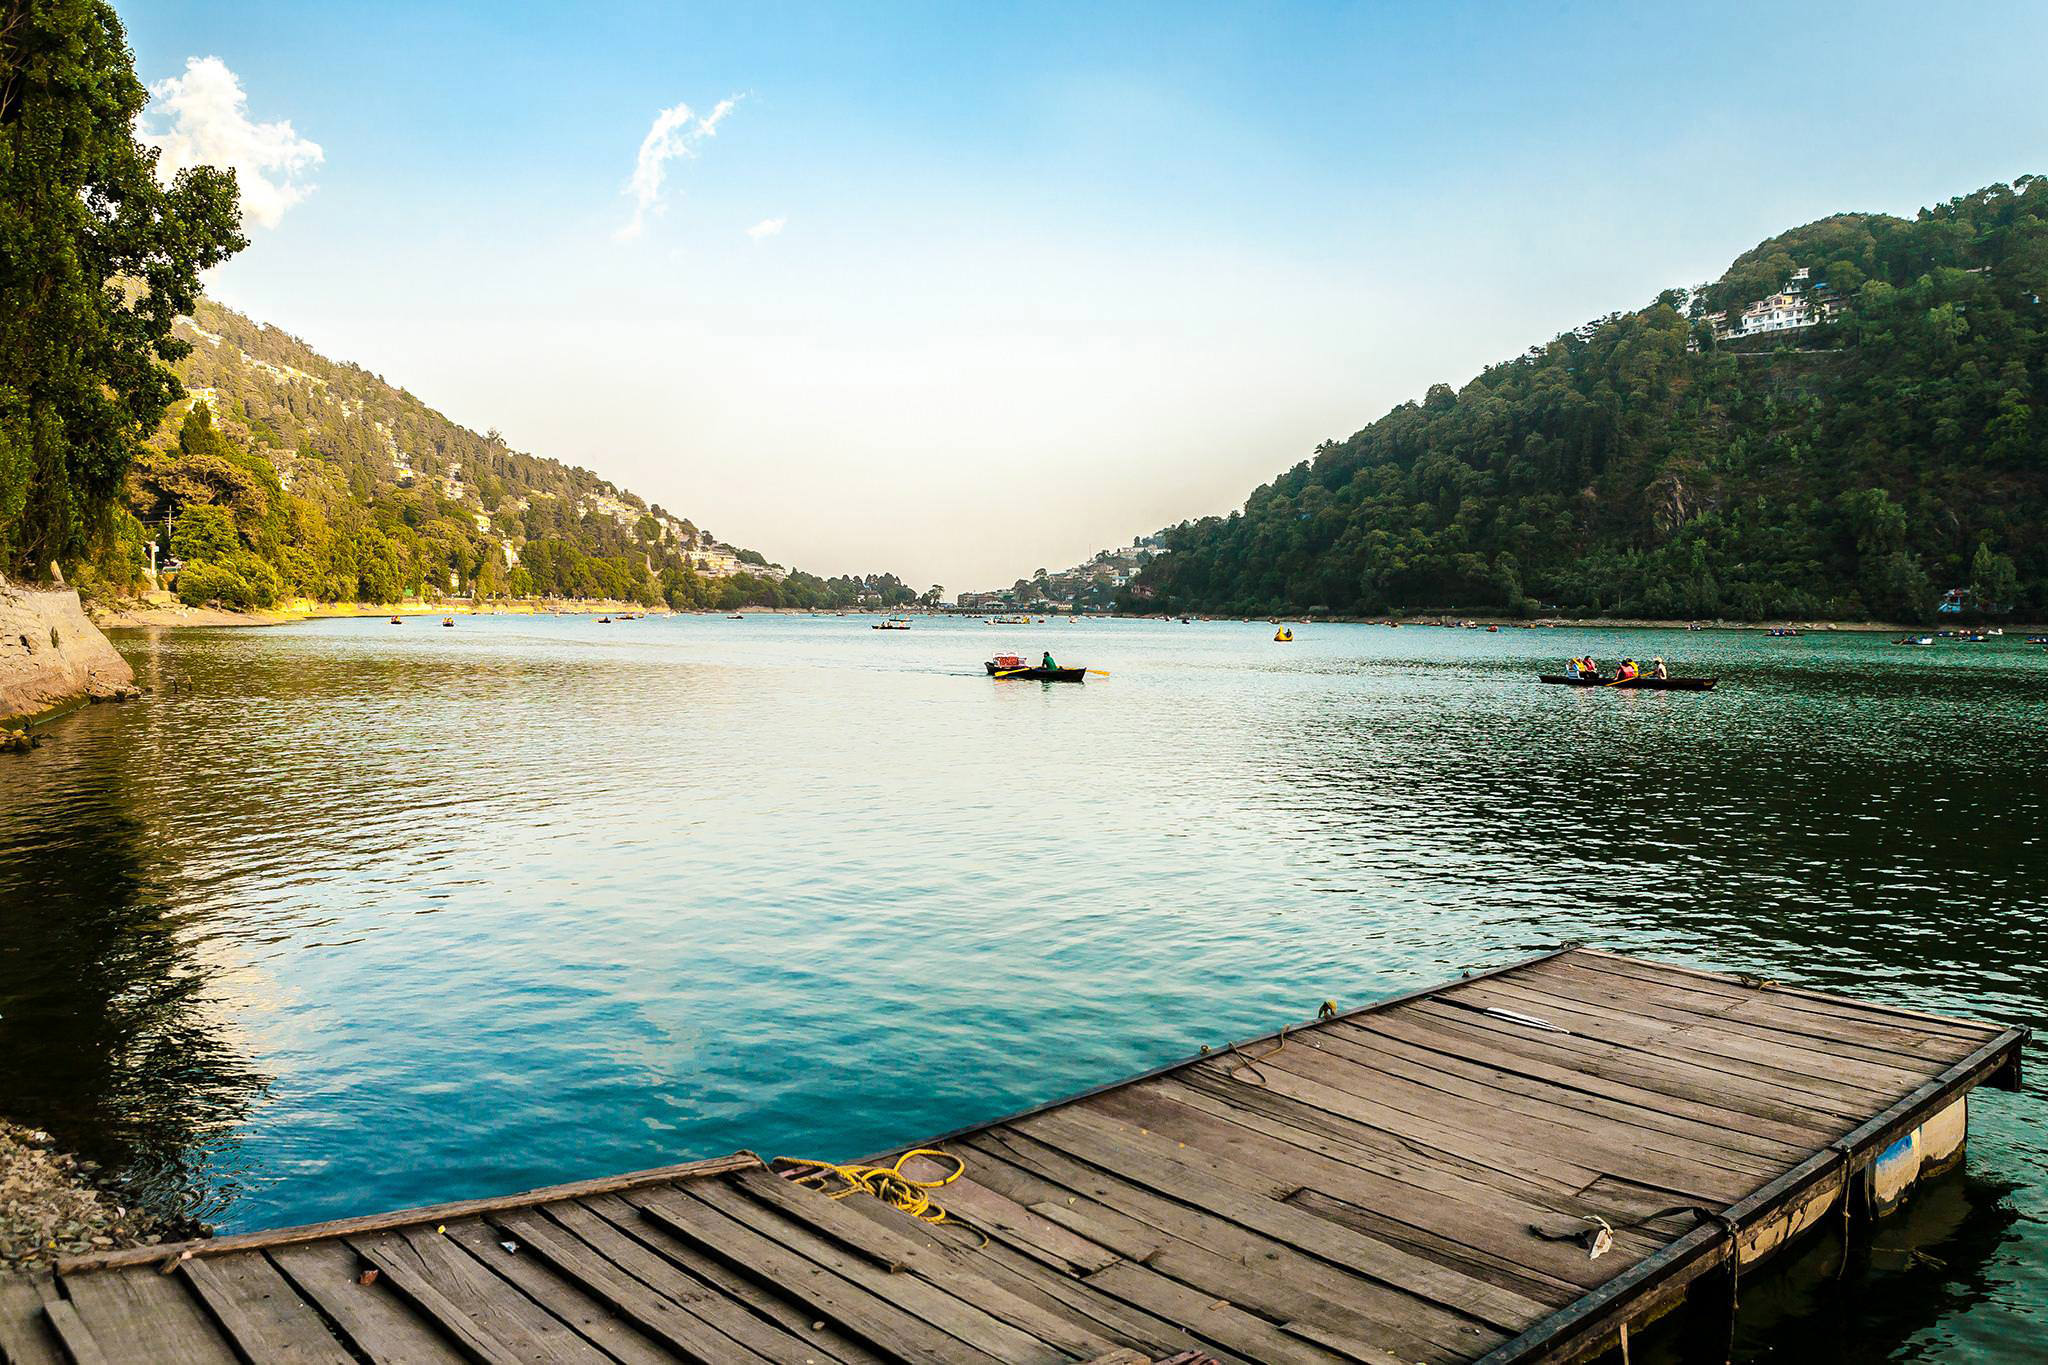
(208, 124)
(767, 227)
(674, 133)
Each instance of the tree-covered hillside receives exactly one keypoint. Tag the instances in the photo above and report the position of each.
(285, 474)
(1638, 467)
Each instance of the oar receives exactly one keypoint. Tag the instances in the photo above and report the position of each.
(1012, 672)
(1099, 672)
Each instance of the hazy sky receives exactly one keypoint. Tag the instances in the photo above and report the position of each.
(961, 294)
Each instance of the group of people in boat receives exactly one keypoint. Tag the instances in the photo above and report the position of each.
(1589, 668)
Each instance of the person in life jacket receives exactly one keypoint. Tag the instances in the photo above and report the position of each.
(1628, 670)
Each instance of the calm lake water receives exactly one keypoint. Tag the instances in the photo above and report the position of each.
(348, 916)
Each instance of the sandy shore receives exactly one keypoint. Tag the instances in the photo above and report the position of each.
(170, 613)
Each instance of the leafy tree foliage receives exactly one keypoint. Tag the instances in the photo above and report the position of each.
(97, 260)
(1636, 468)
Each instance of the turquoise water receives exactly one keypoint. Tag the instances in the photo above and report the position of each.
(349, 916)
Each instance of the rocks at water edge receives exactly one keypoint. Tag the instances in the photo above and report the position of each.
(52, 655)
(49, 1206)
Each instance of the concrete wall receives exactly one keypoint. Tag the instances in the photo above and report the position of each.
(51, 655)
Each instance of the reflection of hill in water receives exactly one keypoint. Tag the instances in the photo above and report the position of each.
(107, 1035)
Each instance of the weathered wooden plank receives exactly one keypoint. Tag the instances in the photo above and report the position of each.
(79, 1344)
(379, 1323)
(663, 1273)
(1496, 1230)
(399, 1267)
(137, 1314)
(1056, 1288)
(1665, 1075)
(820, 1338)
(680, 1313)
(1193, 1177)
(1398, 1156)
(490, 1303)
(1859, 1079)
(1211, 1319)
(430, 1214)
(980, 1207)
(562, 1297)
(1767, 1007)
(1632, 1053)
(26, 1335)
(899, 1249)
(1797, 996)
(1909, 1050)
(1450, 1250)
(970, 1323)
(1479, 1080)
(1223, 1259)
(879, 1322)
(261, 1311)
(1523, 1139)
(1445, 1039)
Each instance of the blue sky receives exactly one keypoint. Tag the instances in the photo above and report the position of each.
(1044, 278)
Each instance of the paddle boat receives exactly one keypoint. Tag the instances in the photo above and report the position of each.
(1923, 641)
(1283, 636)
(893, 623)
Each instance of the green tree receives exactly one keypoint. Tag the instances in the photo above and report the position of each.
(1993, 578)
(204, 531)
(97, 259)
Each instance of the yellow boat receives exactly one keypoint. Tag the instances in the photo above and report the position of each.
(1284, 636)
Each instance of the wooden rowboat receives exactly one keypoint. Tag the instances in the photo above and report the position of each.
(1640, 684)
(1034, 674)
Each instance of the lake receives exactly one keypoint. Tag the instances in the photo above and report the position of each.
(348, 915)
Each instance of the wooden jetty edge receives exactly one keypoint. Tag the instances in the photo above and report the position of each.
(1522, 1165)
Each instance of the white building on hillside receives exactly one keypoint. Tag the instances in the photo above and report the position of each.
(1796, 306)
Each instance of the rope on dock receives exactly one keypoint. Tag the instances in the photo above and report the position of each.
(886, 1183)
(1842, 1147)
(1251, 1063)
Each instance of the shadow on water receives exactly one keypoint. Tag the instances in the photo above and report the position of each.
(107, 1038)
(1929, 1263)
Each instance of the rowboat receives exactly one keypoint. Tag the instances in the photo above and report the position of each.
(1012, 666)
(1640, 684)
(1042, 674)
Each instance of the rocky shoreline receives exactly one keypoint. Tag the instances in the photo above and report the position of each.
(52, 656)
(52, 1204)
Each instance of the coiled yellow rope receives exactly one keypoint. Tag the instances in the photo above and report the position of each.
(886, 1183)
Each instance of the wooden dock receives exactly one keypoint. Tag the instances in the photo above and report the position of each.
(1423, 1179)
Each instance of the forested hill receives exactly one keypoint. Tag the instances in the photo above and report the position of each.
(289, 475)
(1857, 468)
